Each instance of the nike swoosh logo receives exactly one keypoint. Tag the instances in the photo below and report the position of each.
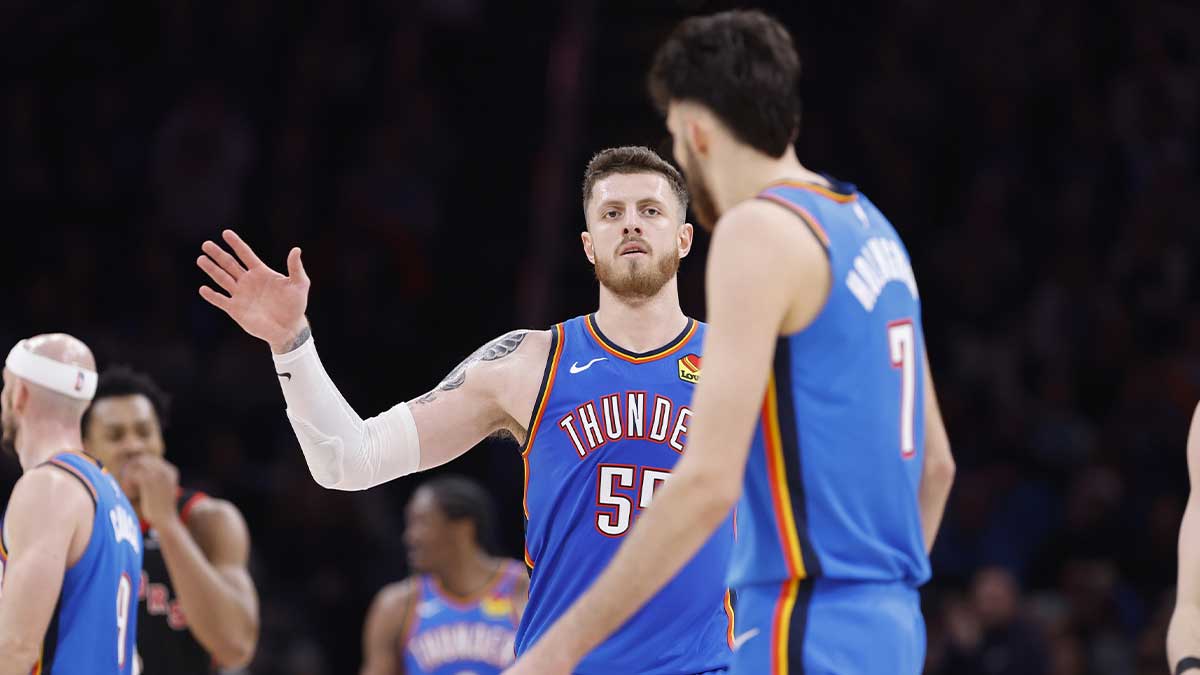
(576, 368)
(287, 375)
(740, 640)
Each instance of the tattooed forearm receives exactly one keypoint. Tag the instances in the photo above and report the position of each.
(300, 338)
(496, 349)
(294, 343)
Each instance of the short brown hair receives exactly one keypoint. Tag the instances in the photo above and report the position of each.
(739, 64)
(632, 159)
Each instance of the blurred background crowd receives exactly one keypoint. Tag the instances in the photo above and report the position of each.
(1040, 158)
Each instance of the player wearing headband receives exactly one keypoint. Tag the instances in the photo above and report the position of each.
(70, 547)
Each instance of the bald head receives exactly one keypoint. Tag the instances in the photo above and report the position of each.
(66, 349)
(49, 378)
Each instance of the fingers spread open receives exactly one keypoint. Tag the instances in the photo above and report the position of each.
(296, 266)
(214, 298)
(217, 274)
(243, 250)
(227, 262)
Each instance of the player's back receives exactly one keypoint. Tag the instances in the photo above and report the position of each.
(94, 625)
(450, 635)
(832, 480)
(608, 427)
(830, 548)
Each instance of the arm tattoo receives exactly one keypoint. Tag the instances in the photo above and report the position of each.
(492, 351)
(300, 338)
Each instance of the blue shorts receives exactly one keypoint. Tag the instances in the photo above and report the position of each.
(827, 627)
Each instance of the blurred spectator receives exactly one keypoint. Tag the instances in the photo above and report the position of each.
(987, 633)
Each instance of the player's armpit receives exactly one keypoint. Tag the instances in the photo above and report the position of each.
(385, 628)
(937, 473)
(46, 510)
(493, 389)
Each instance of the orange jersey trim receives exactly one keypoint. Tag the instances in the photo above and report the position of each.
(78, 474)
(542, 399)
(86, 456)
(818, 189)
(528, 560)
(785, 519)
(809, 219)
(615, 350)
(781, 626)
(729, 613)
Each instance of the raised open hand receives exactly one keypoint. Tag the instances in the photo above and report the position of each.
(266, 304)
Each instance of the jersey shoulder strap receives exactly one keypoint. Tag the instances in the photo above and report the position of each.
(79, 466)
(186, 500)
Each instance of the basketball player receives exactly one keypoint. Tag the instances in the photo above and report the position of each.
(70, 549)
(816, 406)
(459, 613)
(198, 608)
(1183, 636)
(601, 404)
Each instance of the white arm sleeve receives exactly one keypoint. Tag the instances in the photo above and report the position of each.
(343, 451)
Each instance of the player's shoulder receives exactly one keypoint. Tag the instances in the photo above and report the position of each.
(398, 595)
(763, 232)
(757, 219)
(47, 489)
(217, 526)
(204, 510)
(534, 343)
(516, 356)
(54, 479)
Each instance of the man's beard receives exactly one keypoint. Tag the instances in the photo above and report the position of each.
(637, 279)
(702, 201)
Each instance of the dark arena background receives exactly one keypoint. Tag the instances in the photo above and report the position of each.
(1041, 158)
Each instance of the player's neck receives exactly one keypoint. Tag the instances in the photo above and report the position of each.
(37, 443)
(645, 325)
(468, 574)
(747, 171)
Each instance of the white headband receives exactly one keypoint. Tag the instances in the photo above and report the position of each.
(67, 380)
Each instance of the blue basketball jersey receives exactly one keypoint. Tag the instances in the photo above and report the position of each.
(448, 635)
(833, 473)
(94, 626)
(608, 427)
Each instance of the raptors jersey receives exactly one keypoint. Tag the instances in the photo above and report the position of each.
(94, 623)
(608, 427)
(448, 635)
(832, 477)
(165, 643)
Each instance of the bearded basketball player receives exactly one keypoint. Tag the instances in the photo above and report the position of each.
(600, 403)
(816, 415)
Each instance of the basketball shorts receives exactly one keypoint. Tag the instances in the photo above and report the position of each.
(828, 627)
